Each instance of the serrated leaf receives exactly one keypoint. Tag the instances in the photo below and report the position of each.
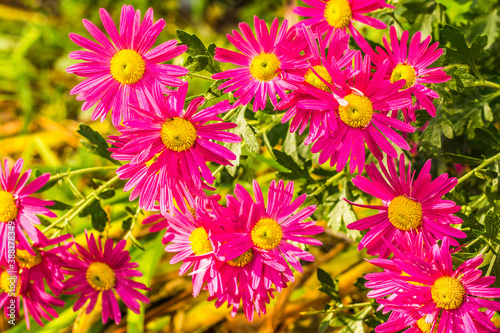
(328, 285)
(486, 174)
(97, 214)
(197, 48)
(297, 172)
(459, 50)
(196, 63)
(96, 143)
(460, 79)
(461, 159)
(492, 226)
(431, 138)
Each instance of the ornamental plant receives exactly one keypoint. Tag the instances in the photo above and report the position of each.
(328, 165)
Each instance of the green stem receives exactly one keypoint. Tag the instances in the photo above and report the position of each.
(268, 144)
(488, 84)
(350, 306)
(329, 182)
(81, 171)
(481, 166)
(201, 77)
(492, 262)
(134, 221)
(217, 171)
(80, 205)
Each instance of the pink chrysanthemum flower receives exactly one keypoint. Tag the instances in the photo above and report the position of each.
(116, 70)
(411, 65)
(322, 122)
(101, 272)
(45, 264)
(18, 206)
(267, 64)
(168, 148)
(329, 15)
(410, 206)
(189, 237)
(266, 232)
(37, 304)
(362, 103)
(449, 300)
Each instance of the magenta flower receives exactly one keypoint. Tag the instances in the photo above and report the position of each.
(45, 264)
(410, 206)
(411, 65)
(103, 272)
(362, 103)
(265, 232)
(117, 70)
(428, 287)
(266, 64)
(322, 122)
(16, 205)
(168, 148)
(330, 15)
(37, 303)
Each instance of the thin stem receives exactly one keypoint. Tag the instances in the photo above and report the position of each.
(329, 182)
(473, 242)
(134, 221)
(81, 171)
(82, 204)
(492, 262)
(217, 171)
(201, 77)
(481, 166)
(350, 306)
(488, 84)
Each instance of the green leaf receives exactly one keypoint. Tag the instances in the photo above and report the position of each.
(197, 48)
(214, 91)
(107, 194)
(461, 159)
(97, 214)
(486, 174)
(325, 323)
(136, 243)
(460, 79)
(126, 224)
(196, 63)
(431, 137)
(492, 226)
(96, 143)
(328, 285)
(58, 205)
(459, 50)
(297, 172)
(487, 137)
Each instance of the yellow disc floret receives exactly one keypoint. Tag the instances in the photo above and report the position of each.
(27, 260)
(100, 276)
(404, 71)
(266, 234)
(8, 208)
(358, 112)
(314, 80)
(265, 66)
(127, 66)
(425, 327)
(178, 134)
(242, 260)
(338, 13)
(405, 213)
(448, 293)
(10, 283)
(200, 244)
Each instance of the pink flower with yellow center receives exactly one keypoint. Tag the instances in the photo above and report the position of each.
(117, 69)
(267, 63)
(411, 64)
(168, 148)
(102, 273)
(17, 205)
(330, 15)
(409, 206)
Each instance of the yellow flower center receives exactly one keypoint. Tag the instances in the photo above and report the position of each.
(404, 213)
(8, 208)
(425, 327)
(358, 112)
(266, 234)
(127, 66)
(200, 244)
(448, 293)
(265, 66)
(242, 260)
(27, 260)
(8, 283)
(338, 13)
(314, 80)
(100, 276)
(178, 134)
(404, 71)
